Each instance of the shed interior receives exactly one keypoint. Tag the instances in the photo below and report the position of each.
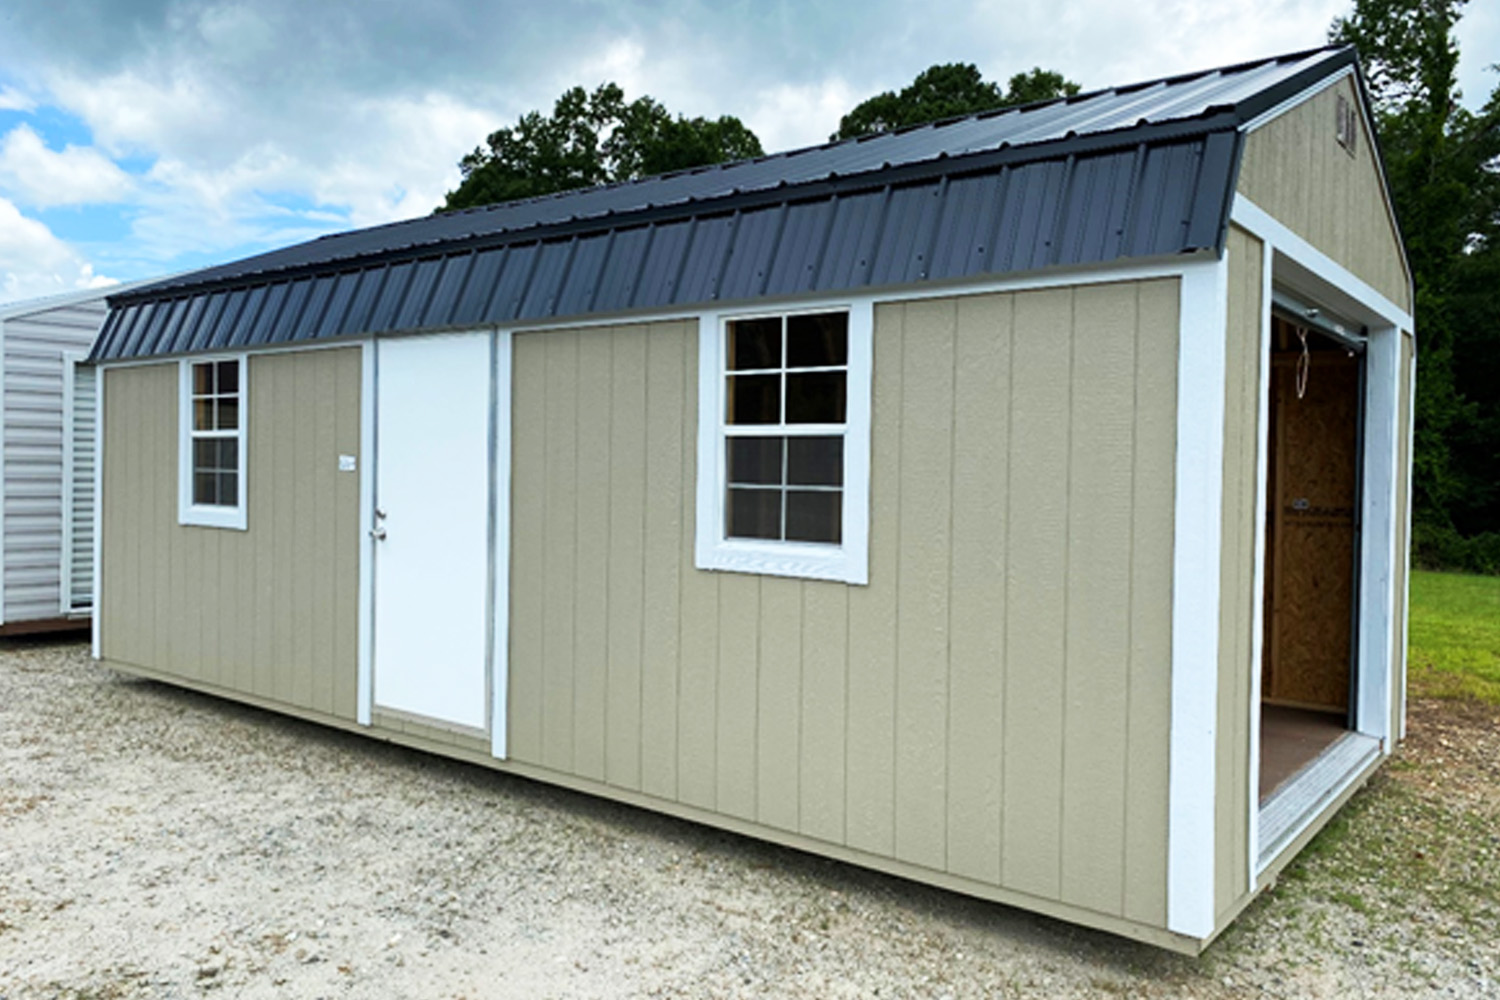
(1314, 467)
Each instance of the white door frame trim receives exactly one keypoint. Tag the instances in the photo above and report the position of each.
(1297, 263)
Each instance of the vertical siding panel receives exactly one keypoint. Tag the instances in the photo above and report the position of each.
(872, 610)
(825, 666)
(263, 518)
(527, 545)
(591, 616)
(1149, 705)
(558, 621)
(980, 429)
(325, 379)
(697, 692)
(302, 377)
(923, 577)
(281, 397)
(1035, 591)
(153, 575)
(736, 688)
(671, 427)
(779, 699)
(347, 538)
(627, 513)
(1099, 557)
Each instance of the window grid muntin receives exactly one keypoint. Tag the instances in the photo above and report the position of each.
(783, 430)
(224, 479)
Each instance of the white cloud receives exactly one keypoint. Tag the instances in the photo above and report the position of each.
(42, 177)
(34, 262)
(790, 116)
(12, 99)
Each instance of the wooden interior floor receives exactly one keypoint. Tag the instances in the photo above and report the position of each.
(1290, 739)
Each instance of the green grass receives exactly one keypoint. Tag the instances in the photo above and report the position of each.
(1455, 637)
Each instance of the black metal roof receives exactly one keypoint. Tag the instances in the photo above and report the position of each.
(1139, 171)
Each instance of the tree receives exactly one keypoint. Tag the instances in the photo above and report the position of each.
(593, 138)
(1440, 166)
(946, 91)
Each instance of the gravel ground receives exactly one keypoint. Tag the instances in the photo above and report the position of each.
(154, 842)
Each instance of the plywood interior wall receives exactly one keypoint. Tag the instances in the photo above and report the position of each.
(1312, 534)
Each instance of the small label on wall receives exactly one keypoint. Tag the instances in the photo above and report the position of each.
(346, 463)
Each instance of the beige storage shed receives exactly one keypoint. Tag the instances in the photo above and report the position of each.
(1018, 504)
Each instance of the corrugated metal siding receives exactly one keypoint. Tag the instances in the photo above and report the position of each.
(33, 452)
(78, 503)
(1142, 202)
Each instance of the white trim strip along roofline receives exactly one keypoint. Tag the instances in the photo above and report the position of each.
(1196, 555)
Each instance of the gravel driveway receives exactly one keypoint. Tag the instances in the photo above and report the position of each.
(155, 842)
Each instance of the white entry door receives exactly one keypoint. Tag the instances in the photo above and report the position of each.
(432, 527)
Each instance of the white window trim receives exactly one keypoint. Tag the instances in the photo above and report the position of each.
(848, 562)
(188, 512)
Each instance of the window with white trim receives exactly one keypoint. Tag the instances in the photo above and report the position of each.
(784, 413)
(211, 454)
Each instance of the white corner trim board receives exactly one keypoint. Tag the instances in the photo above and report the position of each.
(1258, 587)
(500, 547)
(364, 689)
(99, 428)
(1197, 550)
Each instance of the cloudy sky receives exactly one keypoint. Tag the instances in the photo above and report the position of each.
(142, 137)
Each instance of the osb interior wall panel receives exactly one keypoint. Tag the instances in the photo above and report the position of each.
(1312, 537)
(1295, 169)
(271, 611)
(994, 704)
(1237, 594)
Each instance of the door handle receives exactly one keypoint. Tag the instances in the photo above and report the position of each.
(378, 534)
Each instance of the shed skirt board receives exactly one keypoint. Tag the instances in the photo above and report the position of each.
(432, 499)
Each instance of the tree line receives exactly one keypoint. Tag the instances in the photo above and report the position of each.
(1442, 164)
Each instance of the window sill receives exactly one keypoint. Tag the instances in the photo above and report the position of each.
(801, 561)
(213, 517)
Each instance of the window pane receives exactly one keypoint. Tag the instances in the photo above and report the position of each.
(754, 460)
(815, 398)
(205, 488)
(229, 413)
(203, 414)
(203, 379)
(754, 399)
(229, 489)
(817, 341)
(814, 517)
(205, 454)
(815, 461)
(229, 378)
(754, 514)
(754, 343)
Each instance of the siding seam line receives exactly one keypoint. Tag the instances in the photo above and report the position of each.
(1062, 798)
(948, 603)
